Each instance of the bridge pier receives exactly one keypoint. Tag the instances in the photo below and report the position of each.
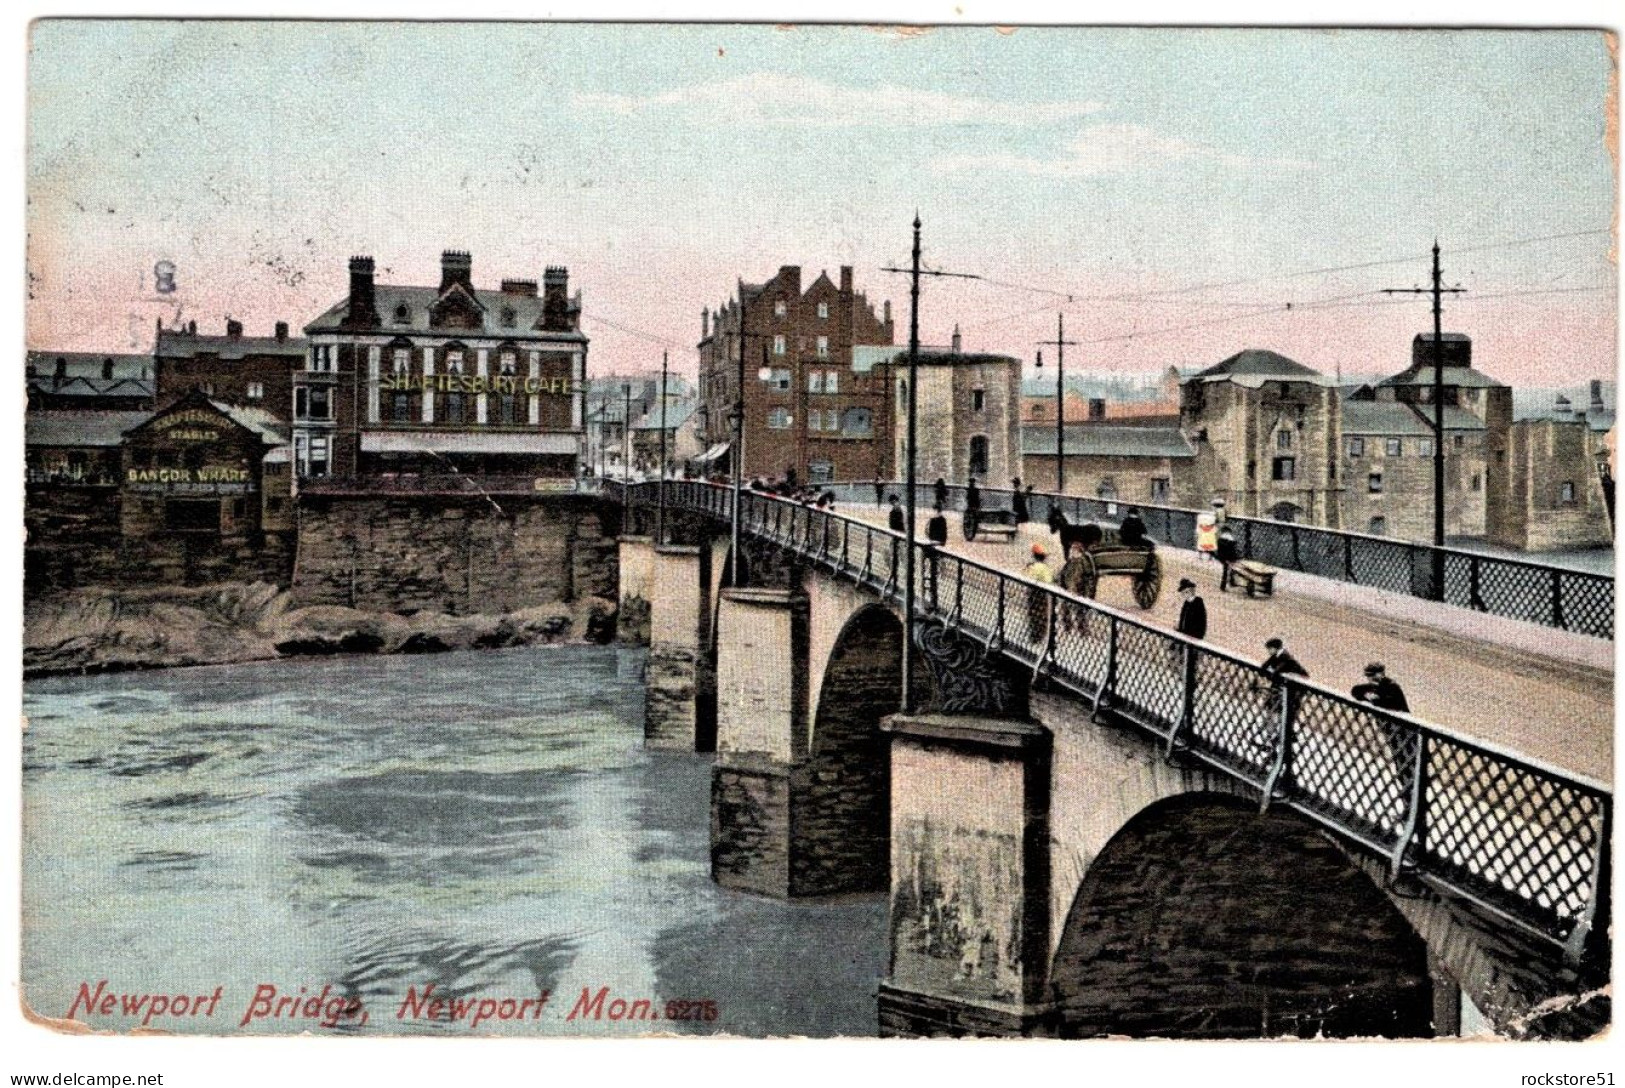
(761, 737)
(970, 877)
(636, 561)
(679, 630)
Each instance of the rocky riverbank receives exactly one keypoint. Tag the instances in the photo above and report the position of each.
(106, 630)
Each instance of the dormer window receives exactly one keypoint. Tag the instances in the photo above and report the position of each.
(402, 314)
(508, 317)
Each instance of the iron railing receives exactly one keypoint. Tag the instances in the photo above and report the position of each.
(1570, 600)
(1527, 842)
(443, 483)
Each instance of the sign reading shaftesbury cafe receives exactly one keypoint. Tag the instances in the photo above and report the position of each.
(1036, 532)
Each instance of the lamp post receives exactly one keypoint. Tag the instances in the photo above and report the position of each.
(660, 510)
(626, 432)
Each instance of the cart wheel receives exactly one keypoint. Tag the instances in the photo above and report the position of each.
(1148, 583)
(969, 523)
(1091, 576)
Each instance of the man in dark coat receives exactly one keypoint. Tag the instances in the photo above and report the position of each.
(941, 487)
(936, 530)
(1228, 553)
(1280, 662)
(973, 496)
(1132, 531)
(1018, 501)
(1193, 613)
(1379, 690)
(895, 520)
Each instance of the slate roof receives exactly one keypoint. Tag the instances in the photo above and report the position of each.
(1106, 440)
(1388, 417)
(1464, 377)
(259, 420)
(135, 388)
(178, 345)
(1259, 362)
(89, 364)
(677, 413)
(527, 310)
(80, 429)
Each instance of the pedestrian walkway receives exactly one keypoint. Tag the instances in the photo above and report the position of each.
(1544, 693)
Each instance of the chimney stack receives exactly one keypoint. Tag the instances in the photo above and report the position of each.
(281, 332)
(363, 299)
(956, 339)
(885, 310)
(1562, 409)
(456, 266)
(705, 323)
(234, 329)
(846, 279)
(555, 299)
(1597, 404)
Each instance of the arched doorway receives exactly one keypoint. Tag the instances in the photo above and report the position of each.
(1288, 512)
(1203, 919)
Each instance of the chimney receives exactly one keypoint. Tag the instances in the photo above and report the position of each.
(705, 323)
(1597, 404)
(519, 288)
(234, 329)
(846, 279)
(456, 266)
(281, 332)
(956, 336)
(556, 299)
(790, 277)
(1562, 408)
(886, 311)
(363, 300)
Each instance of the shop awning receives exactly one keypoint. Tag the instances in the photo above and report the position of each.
(712, 454)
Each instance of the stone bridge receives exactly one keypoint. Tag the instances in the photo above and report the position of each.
(1091, 828)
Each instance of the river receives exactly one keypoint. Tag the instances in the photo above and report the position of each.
(487, 822)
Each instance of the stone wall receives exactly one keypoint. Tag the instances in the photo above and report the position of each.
(454, 554)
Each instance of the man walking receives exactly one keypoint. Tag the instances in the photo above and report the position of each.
(941, 488)
(1193, 613)
(1228, 553)
(895, 520)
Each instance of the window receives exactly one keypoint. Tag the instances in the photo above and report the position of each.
(815, 420)
(505, 364)
(1284, 468)
(1107, 491)
(1283, 440)
(1038, 411)
(857, 423)
(815, 381)
(823, 347)
(1478, 482)
(1356, 447)
(454, 408)
(505, 408)
(1472, 396)
(321, 402)
(1378, 526)
(832, 381)
(400, 407)
(778, 343)
(978, 400)
(820, 472)
(832, 420)
(780, 380)
(454, 362)
(978, 455)
(1393, 447)
(256, 391)
(823, 311)
(402, 314)
(301, 402)
(1159, 489)
(779, 419)
(318, 455)
(1566, 492)
(401, 361)
(779, 311)
(1373, 483)
(1424, 447)
(507, 317)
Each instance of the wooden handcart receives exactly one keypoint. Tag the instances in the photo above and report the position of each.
(1253, 576)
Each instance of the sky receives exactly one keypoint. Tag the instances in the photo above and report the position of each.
(1178, 194)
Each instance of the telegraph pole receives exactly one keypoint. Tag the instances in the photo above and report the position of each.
(914, 273)
(626, 434)
(1438, 291)
(660, 510)
(1060, 342)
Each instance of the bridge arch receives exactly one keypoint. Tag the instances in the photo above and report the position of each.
(1203, 918)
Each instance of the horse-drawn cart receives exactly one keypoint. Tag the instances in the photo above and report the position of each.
(1140, 564)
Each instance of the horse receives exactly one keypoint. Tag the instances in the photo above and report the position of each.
(1088, 534)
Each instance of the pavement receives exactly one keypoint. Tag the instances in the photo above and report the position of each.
(1546, 694)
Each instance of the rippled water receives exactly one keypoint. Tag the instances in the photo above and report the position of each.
(487, 822)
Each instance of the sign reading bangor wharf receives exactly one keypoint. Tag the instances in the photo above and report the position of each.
(478, 383)
(207, 480)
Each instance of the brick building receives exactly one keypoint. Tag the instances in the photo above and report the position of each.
(246, 371)
(813, 415)
(402, 381)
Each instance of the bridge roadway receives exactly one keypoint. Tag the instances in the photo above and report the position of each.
(1548, 694)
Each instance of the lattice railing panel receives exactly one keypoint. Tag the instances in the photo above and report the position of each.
(1351, 765)
(1518, 834)
(1082, 636)
(1150, 677)
(1235, 716)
